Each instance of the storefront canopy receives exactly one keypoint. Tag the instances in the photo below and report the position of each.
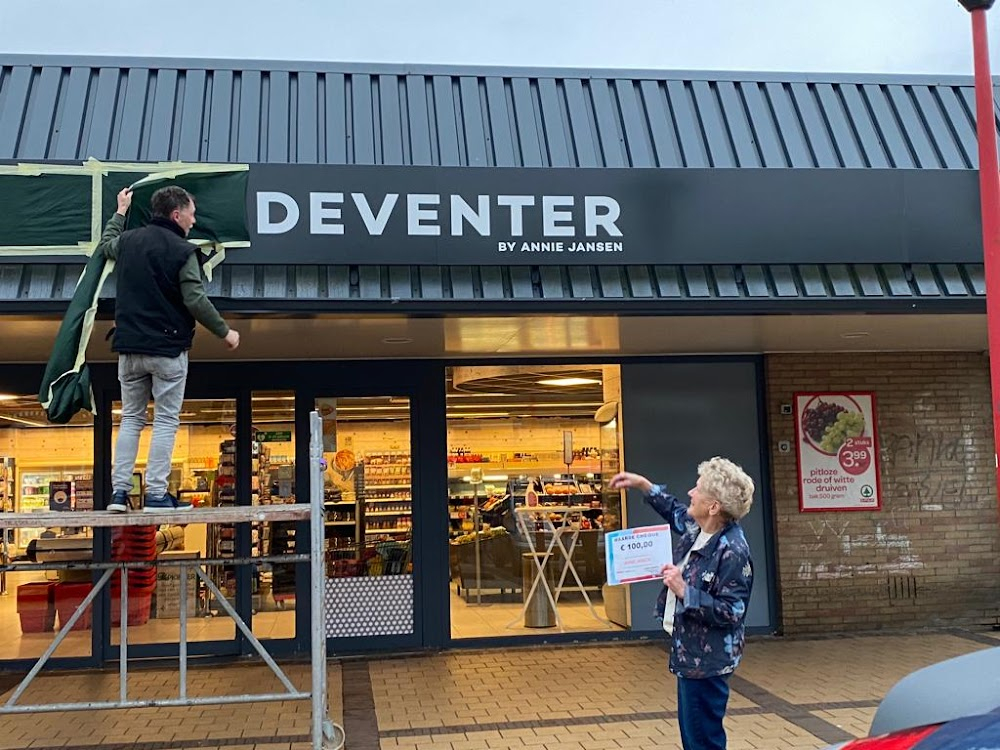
(70, 110)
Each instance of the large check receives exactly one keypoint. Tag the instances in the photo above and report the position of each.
(637, 554)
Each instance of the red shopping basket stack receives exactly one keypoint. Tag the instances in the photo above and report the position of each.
(36, 606)
(133, 544)
(68, 598)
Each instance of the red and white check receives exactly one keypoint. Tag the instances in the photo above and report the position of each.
(638, 554)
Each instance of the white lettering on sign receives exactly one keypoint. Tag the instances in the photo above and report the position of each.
(264, 223)
(319, 212)
(553, 220)
(516, 203)
(606, 220)
(417, 214)
(375, 224)
(478, 219)
(559, 214)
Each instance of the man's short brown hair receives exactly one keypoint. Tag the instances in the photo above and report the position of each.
(168, 199)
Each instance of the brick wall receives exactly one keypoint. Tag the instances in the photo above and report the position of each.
(931, 556)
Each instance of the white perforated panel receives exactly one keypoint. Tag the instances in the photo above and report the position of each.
(381, 605)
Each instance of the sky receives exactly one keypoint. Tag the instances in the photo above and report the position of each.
(848, 36)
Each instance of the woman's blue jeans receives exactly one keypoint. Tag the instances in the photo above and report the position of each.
(701, 705)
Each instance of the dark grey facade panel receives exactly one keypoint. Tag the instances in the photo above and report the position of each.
(895, 277)
(812, 281)
(783, 280)
(34, 283)
(10, 281)
(639, 283)
(521, 284)
(841, 281)
(668, 283)
(71, 108)
(462, 285)
(611, 283)
(924, 280)
(430, 285)
(400, 282)
(275, 283)
(493, 283)
(870, 280)
(241, 282)
(977, 279)
(952, 282)
(370, 282)
(756, 281)
(581, 282)
(338, 283)
(552, 283)
(724, 278)
(306, 283)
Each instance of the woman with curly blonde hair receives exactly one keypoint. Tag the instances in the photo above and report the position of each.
(706, 592)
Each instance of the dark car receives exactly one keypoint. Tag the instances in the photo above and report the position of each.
(952, 705)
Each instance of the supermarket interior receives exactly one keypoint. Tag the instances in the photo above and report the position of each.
(519, 437)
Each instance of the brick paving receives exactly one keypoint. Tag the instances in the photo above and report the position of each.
(789, 693)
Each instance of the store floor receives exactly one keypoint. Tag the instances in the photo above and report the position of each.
(794, 694)
(494, 618)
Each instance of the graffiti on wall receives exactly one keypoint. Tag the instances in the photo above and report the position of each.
(884, 550)
(929, 471)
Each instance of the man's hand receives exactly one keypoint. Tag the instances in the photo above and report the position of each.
(124, 201)
(674, 581)
(232, 339)
(626, 479)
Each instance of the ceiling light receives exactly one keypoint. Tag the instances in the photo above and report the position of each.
(397, 340)
(569, 381)
(854, 335)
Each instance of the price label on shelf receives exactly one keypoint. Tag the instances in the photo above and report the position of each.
(638, 554)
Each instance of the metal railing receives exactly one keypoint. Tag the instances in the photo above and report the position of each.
(325, 735)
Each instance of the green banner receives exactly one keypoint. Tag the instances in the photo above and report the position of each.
(48, 209)
(62, 208)
(278, 436)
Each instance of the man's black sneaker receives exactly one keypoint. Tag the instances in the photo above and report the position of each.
(166, 502)
(120, 502)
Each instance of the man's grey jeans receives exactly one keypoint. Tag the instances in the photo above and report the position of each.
(142, 376)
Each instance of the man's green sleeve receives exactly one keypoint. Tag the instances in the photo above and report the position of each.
(196, 301)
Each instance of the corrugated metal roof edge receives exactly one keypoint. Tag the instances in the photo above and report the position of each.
(442, 308)
(111, 61)
(779, 288)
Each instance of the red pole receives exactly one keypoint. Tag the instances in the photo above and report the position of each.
(989, 198)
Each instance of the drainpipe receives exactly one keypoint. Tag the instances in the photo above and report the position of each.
(989, 199)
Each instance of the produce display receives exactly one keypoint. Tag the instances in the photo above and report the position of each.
(487, 534)
(829, 425)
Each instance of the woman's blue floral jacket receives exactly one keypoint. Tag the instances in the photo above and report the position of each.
(709, 622)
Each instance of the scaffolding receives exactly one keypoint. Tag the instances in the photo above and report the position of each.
(325, 735)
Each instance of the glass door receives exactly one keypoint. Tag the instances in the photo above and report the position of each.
(368, 496)
(204, 473)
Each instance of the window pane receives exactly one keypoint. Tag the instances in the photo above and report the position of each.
(43, 467)
(527, 437)
(273, 483)
(203, 472)
(369, 515)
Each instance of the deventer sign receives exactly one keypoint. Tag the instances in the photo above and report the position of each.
(837, 450)
(329, 214)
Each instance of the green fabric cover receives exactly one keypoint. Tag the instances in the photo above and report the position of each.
(65, 389)
(50, 210)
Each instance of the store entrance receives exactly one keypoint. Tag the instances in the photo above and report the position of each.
(207, 465)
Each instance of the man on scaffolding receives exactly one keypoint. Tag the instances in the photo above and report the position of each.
(160, 295)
